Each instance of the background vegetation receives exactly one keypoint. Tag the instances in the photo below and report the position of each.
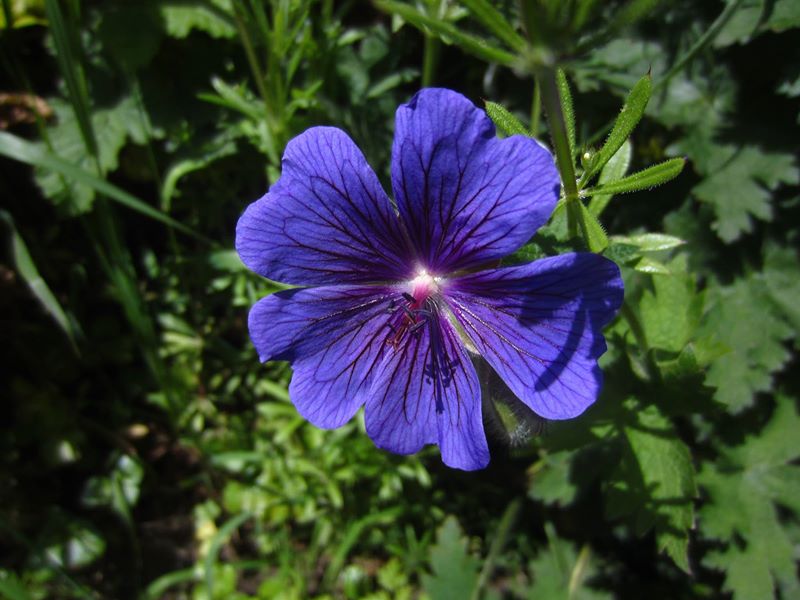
(147, 454)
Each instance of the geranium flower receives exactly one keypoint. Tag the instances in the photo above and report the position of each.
(395, 293)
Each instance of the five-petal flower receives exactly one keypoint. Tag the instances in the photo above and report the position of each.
(394, 292)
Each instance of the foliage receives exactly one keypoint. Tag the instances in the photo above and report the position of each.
(149, 455)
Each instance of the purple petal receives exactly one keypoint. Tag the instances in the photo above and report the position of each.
(326, 220)
(466, 196)
(426, 391)
(540, 327)
(333, 337)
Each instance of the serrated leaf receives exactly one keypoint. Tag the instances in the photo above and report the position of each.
(739, 183)
(504, 120)
(559, 571)
(32, 154)
(743, 317)
(669, 481)
(644, 179)
(455, 570)
(629, 117)
(113, 126)
(671, 312)
(615, 169)
(743, 488)
(781, 274)
(551, 480)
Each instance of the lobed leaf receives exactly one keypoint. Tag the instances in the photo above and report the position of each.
(669, 481)
(743, 488)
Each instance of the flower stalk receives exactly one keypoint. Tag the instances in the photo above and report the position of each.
(551, 102)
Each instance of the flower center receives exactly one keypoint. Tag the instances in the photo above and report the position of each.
(411, 312)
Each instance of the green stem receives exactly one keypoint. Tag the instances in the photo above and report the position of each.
(430, 58)
(503, 529)
(536, 107)
(551, 101)
(252, 59)
(700, 44)
(558, 130)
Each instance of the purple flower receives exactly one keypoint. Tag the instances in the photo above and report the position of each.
(394, 293)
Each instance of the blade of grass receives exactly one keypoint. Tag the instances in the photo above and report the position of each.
(29, 153)
(38, 286)
(495, 22)
(469, 43)
(69, 66)
(220, 538)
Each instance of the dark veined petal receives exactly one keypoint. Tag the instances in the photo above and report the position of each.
(426, 391)
(539, 326)
(334, 339)
(466, 196)
(326, 220)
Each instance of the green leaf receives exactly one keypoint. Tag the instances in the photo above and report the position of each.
(212, 17)
(23, 262)
(131, 33)
(591, 229)
(113, 126)
(567, 108)
(469, 43)
(629, 117)
(560, 572)
(738, 186)
(781, 276)
(455, 570)
(119, 490)
(16, 148)
(644, 179)
(785, 15)
(669, 482)
(649, 242)
(200, 157)
(12, 588)
(743, 317)
(743, 487)
(615, 169)
(506, 122)
(495, 22)
(551, 479)
(671, 312)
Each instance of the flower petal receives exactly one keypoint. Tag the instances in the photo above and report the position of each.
(540, 327)
(333, 337)
(466, 196)
(426, 391)
(326, 220)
